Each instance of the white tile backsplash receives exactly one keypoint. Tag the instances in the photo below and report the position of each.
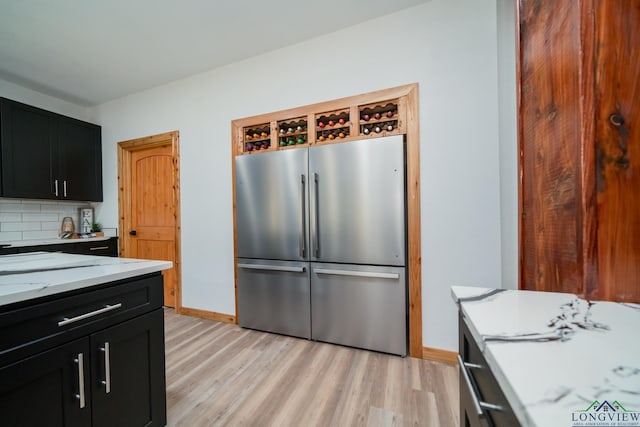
(10, 217)
(34, 219)
(55, 225)
(18, 207)
(39, 217)
(10, 236)
(20, 226)
(40, 235)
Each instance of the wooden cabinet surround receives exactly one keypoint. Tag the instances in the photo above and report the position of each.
(579, 147)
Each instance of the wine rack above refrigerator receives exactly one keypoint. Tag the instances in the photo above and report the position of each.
(343, 120)
(333, 125)
(292, 132)
(257, 138)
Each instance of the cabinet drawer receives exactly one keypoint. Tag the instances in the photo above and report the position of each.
(107, 247)
(102, 248)
(25, 331)
(478, 384)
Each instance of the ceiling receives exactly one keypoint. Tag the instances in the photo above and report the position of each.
(91, 51)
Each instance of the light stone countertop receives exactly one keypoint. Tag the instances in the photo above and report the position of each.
(555, 354)
(36, 274)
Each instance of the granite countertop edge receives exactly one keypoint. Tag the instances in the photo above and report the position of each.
(37, 274)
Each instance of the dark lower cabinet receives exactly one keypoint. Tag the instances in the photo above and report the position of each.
(482, 401)
(111, 372)
(45, 389)
(108, 247)
(129, 384)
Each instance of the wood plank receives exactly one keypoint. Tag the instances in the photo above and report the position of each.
(549, 106)
(221, 374)
(617, 149)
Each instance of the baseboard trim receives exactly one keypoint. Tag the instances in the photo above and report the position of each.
(210, 315)
(438, 355)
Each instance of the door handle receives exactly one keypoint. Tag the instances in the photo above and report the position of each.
(372, 274)
(55, 183)
(133, 233)
(64, 188)
(107, 367)
(316, 232)
(302, 239)
(80, 362)
(272, 268)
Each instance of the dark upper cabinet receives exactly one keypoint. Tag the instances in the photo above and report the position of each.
(79, 160)
(27, 137)
(47, 155)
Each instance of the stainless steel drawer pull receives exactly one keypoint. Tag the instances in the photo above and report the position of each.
(99, 248)
(491, 406)
(473, 365)
(80, 362)
(107, 367)
(272, 268)
(106, 308)
(477, 403)
(371, 274)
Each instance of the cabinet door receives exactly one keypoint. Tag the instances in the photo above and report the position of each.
(27, 135)
(128, 383)
(49, 389)
(80, 160)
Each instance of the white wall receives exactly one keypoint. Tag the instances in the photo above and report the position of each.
(37, 99)
(448, 46)
(508, 142)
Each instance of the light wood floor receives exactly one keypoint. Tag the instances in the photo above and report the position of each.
(221, 374)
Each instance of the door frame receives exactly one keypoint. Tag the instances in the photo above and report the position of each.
(125, 149)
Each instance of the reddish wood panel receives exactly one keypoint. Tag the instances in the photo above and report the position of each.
(618, 149)
(550, 132)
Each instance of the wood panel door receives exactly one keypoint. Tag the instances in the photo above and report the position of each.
(149, 205)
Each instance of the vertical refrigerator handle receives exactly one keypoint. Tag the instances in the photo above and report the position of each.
(316, 245)
(301, 234)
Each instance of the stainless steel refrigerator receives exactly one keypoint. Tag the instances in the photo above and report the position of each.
(321, 243)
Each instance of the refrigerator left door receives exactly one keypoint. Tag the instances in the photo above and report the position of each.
(274, 296)
(271, 205)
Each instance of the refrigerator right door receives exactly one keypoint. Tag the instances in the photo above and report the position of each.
(357, 202)
(359, 306)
